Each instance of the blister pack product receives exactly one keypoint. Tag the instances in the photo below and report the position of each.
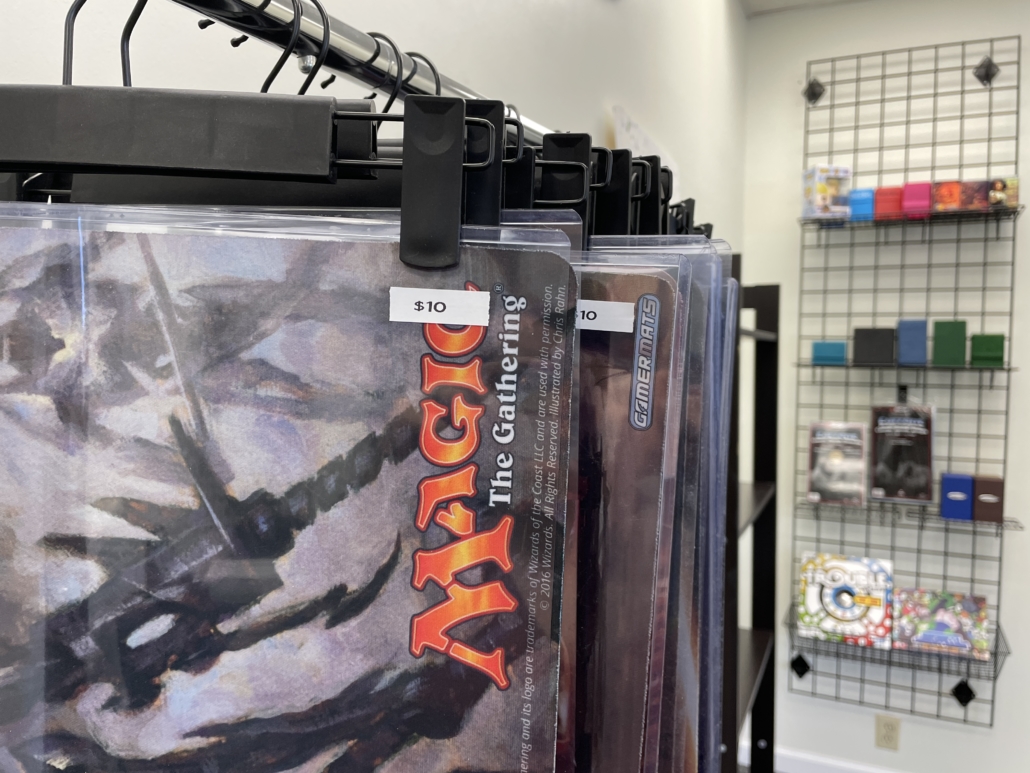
(266, 512)
(631, 326)
(687, 731)
(550, 229)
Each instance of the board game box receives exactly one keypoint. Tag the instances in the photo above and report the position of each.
(836, 463)
(846, 599)
(941, 621)
(902, 453)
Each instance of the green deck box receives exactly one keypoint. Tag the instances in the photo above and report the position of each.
(987, 351)
(949, 343)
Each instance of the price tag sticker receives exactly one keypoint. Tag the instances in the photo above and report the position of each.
(609, 316)
(443, 307)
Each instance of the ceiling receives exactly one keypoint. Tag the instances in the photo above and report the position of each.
(757, 7)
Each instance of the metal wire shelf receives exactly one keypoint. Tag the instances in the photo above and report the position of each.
(921, 115)
(924, 517)
(932, 662)
(903, 218)
(896, 366)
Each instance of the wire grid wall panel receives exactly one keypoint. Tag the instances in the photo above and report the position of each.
(915, 115)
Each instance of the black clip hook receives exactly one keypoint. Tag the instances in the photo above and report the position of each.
(415, 56)
(520, 134)
(566, 165)
(639, 162)
(665, 175)
(130, 25)
(399, 80)
(298, 12)
(69, 40)
(323, 52)
(609, 163)
(520, 140)
(399, 118)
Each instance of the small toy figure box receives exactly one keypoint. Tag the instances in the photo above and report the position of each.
(1003, 193)
(826, 192)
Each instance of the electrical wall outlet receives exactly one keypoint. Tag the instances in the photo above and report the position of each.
(888, 732)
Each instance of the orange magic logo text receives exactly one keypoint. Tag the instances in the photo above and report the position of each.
(440, 502)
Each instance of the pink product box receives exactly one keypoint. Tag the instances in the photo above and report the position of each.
(917, 200)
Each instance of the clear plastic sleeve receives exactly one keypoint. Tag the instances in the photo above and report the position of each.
(690, 723)
(240, 535)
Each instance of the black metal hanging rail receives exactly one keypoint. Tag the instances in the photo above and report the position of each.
(351, 52)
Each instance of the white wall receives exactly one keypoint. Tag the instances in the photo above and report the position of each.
(779, 45)
(562, 62)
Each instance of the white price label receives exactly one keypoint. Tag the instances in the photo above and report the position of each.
(444, 307)
(610, 316)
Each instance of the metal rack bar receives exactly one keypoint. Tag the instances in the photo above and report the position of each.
(351, 52)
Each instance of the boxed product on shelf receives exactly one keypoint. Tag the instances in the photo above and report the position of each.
(874, 346)
(902, 455)
(988, 499)
(836, 463)
(917, 200)
(941, 621)
(956, 497)
(888, 204)
(975, 195)
(947, 196)
(846, 599)
(949, 343)
(862, 203)
(826, 190)
(987, 351)
(912, 342)
(829, 352)
(1003, 193)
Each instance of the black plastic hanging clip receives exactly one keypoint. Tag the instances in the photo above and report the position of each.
(431, 179)
(565, 155)
(649, 206)
(612, 203)
(484, 185)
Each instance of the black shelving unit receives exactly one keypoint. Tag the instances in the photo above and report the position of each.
(910, 115)
(749, 653)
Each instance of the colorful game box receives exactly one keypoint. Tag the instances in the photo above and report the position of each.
(846, 599)
(941, 621)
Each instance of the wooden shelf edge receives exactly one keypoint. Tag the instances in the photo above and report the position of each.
(753, 650)
(752, 499)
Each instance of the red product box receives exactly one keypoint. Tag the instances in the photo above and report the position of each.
(917, 200)
(887, 204)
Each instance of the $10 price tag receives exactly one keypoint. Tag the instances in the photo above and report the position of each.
(609, 316)
(443, 307)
